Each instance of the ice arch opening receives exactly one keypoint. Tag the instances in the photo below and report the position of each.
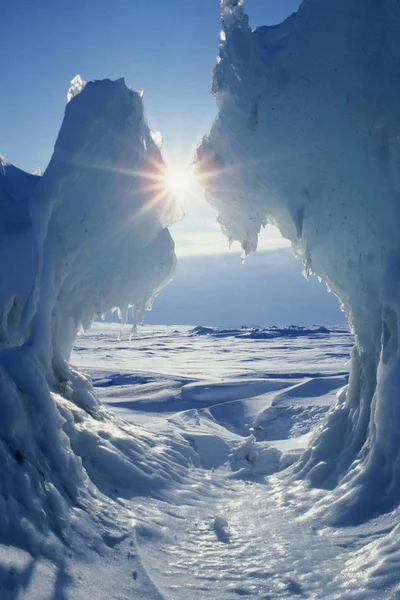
(308, 138)
(89, 235)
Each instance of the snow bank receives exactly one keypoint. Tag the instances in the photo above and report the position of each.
(88, 235)
(252, 459)
(307, 138)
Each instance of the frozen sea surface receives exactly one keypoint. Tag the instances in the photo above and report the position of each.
(201, 352)
(234, 374)
(247, 400)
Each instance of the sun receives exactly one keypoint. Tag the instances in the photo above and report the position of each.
(178, 180)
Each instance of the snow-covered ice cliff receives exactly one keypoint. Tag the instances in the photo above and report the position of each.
(308, 138)
(88, 235)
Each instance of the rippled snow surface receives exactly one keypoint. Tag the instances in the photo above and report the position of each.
(247, 399)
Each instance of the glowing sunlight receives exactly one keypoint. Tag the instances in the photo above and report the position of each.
(179, 180)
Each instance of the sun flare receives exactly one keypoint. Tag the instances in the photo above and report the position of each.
(179, 180)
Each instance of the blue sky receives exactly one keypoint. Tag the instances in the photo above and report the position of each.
(167, 48)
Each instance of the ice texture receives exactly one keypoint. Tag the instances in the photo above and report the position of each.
(77, 85)
(89, 235)
(308, 138)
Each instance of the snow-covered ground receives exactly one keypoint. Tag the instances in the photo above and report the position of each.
(209, 510)
(247, 401)
(276, 384)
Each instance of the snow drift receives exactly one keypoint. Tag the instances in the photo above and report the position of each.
(88, 235)
(308, 138)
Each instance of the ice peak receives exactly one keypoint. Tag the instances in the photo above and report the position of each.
(3, 161)
(77, 85)
(233, 15)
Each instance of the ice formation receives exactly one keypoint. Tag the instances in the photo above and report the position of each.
(308, 138)
(88, 235)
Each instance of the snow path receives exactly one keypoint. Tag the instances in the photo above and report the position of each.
(235, 547)
(251, 540)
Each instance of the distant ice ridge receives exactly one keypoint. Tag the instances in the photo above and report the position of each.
(261, 333)
(308, 138)
(88, 235)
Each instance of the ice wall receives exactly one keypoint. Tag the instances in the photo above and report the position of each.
(108, 222)
(88, 235)
(308, 138)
